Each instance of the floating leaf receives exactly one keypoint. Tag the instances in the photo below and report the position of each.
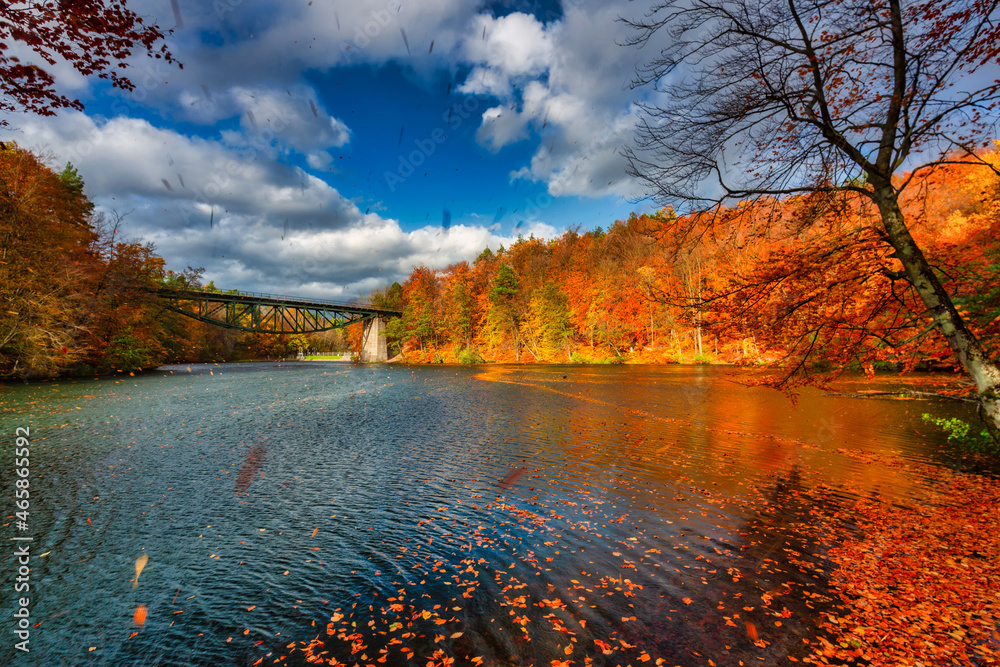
(140, 563)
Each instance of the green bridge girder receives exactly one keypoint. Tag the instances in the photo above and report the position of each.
(267, 313)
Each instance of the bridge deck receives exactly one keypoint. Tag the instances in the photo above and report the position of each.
(273, 300)
(269, 313)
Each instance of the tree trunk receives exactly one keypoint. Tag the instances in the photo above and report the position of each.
(530, 343)
(697, 333)
(964, 345)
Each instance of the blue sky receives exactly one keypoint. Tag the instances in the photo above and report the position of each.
(324, 148)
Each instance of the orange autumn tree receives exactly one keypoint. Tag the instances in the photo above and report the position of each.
(758, 100)
(128, 327)
(46, 267)
(458, 308)
(814, 289)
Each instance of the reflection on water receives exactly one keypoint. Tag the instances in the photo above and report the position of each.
(383, 514)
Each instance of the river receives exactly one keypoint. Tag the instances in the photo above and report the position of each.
(490, 515)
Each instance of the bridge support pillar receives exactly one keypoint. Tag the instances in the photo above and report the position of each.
(373, 346)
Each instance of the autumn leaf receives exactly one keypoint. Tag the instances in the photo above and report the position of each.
(140, 563)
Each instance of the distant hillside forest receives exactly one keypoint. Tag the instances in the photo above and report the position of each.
(803, 282)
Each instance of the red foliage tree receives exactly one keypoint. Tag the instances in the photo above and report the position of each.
(93, 36)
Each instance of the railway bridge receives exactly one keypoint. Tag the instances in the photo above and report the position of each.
(272, 314)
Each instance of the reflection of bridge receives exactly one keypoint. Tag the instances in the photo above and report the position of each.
(265, 313)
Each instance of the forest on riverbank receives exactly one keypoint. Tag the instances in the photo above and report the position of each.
(802, 282)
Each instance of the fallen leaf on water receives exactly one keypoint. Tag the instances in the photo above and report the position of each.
(139, 617)
(752, 631)
(511, 477)
(688, 600)
(140, 563)
(252, 464)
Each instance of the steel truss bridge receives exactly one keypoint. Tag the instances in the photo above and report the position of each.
(270, 314)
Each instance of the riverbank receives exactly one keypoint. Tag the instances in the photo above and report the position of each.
(583, 355)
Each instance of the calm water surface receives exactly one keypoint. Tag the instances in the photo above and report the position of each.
(388, 514)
